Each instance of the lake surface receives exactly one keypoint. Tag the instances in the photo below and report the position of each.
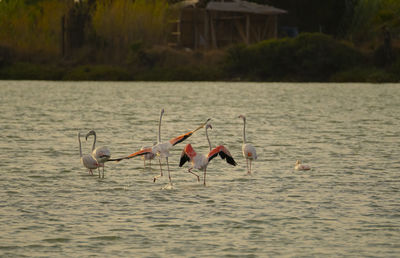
(347, 205)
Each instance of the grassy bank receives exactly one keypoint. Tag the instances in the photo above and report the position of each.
(308, 57)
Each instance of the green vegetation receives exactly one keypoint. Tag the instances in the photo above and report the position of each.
(308, 57)
(31, 71)
(126, 40)
(120, 23)
(32, 31)
(370, 16)
(97, 73)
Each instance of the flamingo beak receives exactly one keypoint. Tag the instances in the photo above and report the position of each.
(201, 126)
(90, 133)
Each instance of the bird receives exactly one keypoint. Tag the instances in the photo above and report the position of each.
(299, 166)
(161, 149)
(87, 160)
(148, 156)
(248, 150)
(100, 154)
(201, 161)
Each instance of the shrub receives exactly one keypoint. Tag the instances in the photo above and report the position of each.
(308, 57)
(29, 71)
(365, 74)
(163, 63)
(98, 73)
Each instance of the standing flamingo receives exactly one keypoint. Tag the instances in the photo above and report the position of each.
(151, 155)
(161, 149)
(87, 160)
(249, 152)
(101, 154)
(148, 156)
(200, 162)
(299, 166)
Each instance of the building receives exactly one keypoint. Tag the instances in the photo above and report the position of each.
(222, 23)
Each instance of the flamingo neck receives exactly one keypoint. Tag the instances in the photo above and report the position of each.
(159, 128)
(94, 142)
(208, 139)
(244, 131)
(80, 147)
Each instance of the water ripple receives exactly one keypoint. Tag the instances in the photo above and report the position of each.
(347, 205)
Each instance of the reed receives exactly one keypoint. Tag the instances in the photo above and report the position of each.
(369, 18)
(32, 30)
(121, 23)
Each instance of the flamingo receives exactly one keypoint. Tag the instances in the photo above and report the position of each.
(299, 166)
(148, 156)
(200, 162)
(87, 160)
(161, 149)
(248, 150)
(100, 154)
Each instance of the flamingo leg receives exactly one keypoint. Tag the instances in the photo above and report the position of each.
(190, 171)
(98, 168)
(144, 163)
(90, 172)
(103, 170)
(247, 163)
(161, 174)
(204, 180)
(250, 167)
(169, 175)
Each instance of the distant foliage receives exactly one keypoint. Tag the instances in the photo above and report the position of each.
(309, 57)
(32, 30)
(369, 18)
(120, 23)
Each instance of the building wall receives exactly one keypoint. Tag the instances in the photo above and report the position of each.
(209, 29)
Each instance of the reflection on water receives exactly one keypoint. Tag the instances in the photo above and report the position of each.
(347, 205)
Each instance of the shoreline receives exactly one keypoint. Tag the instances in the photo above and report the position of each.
(94, 72)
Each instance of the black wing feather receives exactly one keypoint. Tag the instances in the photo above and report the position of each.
(229, 159)
(183, 138)
(184, 158)
(213, 156)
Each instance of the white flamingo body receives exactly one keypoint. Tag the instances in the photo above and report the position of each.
(87, 160)
(162, 149)
(299, 166)
(201, 161)
(248, 150)
(100, 154)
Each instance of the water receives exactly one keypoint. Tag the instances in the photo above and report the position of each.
(347, 205)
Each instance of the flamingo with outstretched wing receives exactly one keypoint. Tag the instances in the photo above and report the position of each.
(200, 161)
(161, 149)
